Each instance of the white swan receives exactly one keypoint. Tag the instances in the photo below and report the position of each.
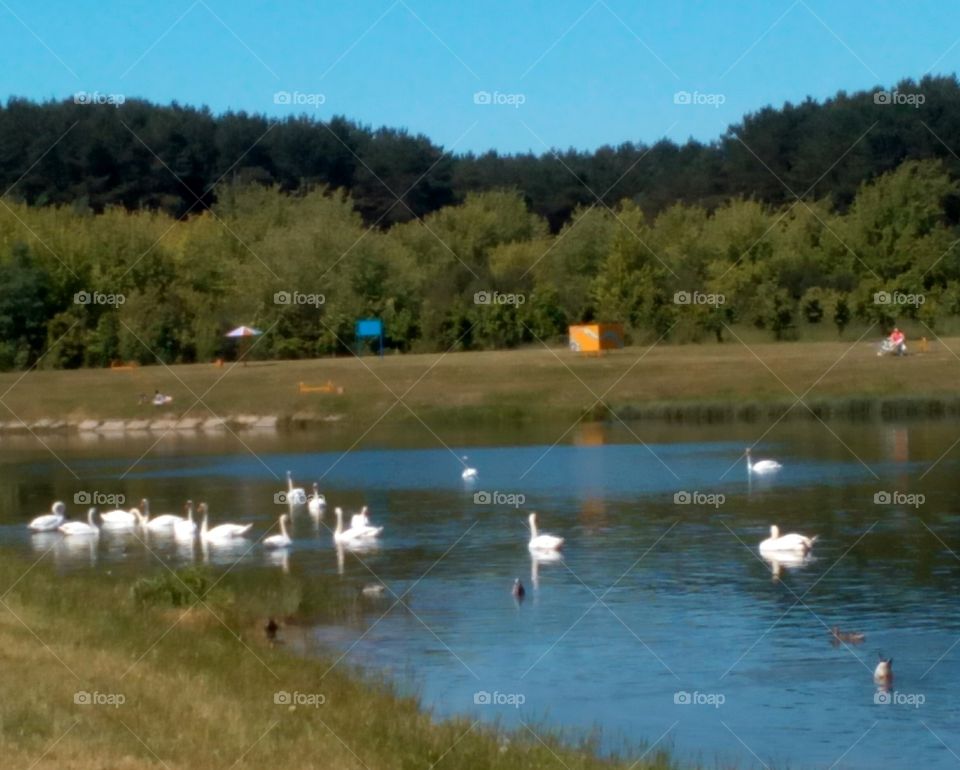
(120, 519)
(468, 472)
(186, 529)
(542, 542)
(354, 534)
(883, 673)
(222, 533)
(283, 539)
(360, 520)
(50, 521)
(790, 543)
(761, 467)
(295, 495)
(317, 502)
(162, 523)
(80, 527)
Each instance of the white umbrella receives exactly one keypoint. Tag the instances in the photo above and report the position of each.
(243, 331)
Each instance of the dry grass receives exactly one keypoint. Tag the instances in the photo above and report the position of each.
(511, 385)
(199, 693)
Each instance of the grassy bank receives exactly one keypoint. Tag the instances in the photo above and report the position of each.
(181, 684)
(729, 381)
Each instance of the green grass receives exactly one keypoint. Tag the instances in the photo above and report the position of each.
(536, 383)
(198, 683)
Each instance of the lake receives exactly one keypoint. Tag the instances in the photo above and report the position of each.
(660, 624)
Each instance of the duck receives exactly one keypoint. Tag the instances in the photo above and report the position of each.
(48, 522)
(761, 467)
(544, 542)
(317, 502)
(222, 533)
(789, 543)
(883, 673)
(518, 590)
(283, 539)
(76, 528)
(851, 637)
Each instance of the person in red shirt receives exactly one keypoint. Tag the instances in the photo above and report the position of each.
(898, 340)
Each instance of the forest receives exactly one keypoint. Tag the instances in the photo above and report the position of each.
(144, 232)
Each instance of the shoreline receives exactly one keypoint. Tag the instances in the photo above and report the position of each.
(857, 408)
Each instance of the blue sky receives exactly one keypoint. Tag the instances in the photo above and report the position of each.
(563, 73)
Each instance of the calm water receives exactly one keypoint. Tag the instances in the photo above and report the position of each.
(652, 599)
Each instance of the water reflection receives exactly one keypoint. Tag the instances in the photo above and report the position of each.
(786, 560)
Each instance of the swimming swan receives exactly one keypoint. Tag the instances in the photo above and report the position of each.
(283, 539)
(468, 472)
(162, 523)
(883, 673)
(120, 519)
(790, 543)
(186, 529)
(50, 521)
(761, 466)
(223, 533)
(360, 520)
(542, 542)
(354, 534)
(80, 527)
(295, 495)
(317, 502)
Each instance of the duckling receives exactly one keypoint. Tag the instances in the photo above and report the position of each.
(851, 637)
(518, 590)
(883, 673)
(270, 629)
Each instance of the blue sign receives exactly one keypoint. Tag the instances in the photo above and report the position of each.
(369, 327)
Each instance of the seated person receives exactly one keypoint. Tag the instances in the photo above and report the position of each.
(898, 341)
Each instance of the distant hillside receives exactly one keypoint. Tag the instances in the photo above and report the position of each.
(140, 155)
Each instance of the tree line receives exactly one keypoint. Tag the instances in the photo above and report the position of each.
(177, 159)
(85, 289)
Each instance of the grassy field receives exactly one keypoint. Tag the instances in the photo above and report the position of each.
(509, 385)
(99, 673)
